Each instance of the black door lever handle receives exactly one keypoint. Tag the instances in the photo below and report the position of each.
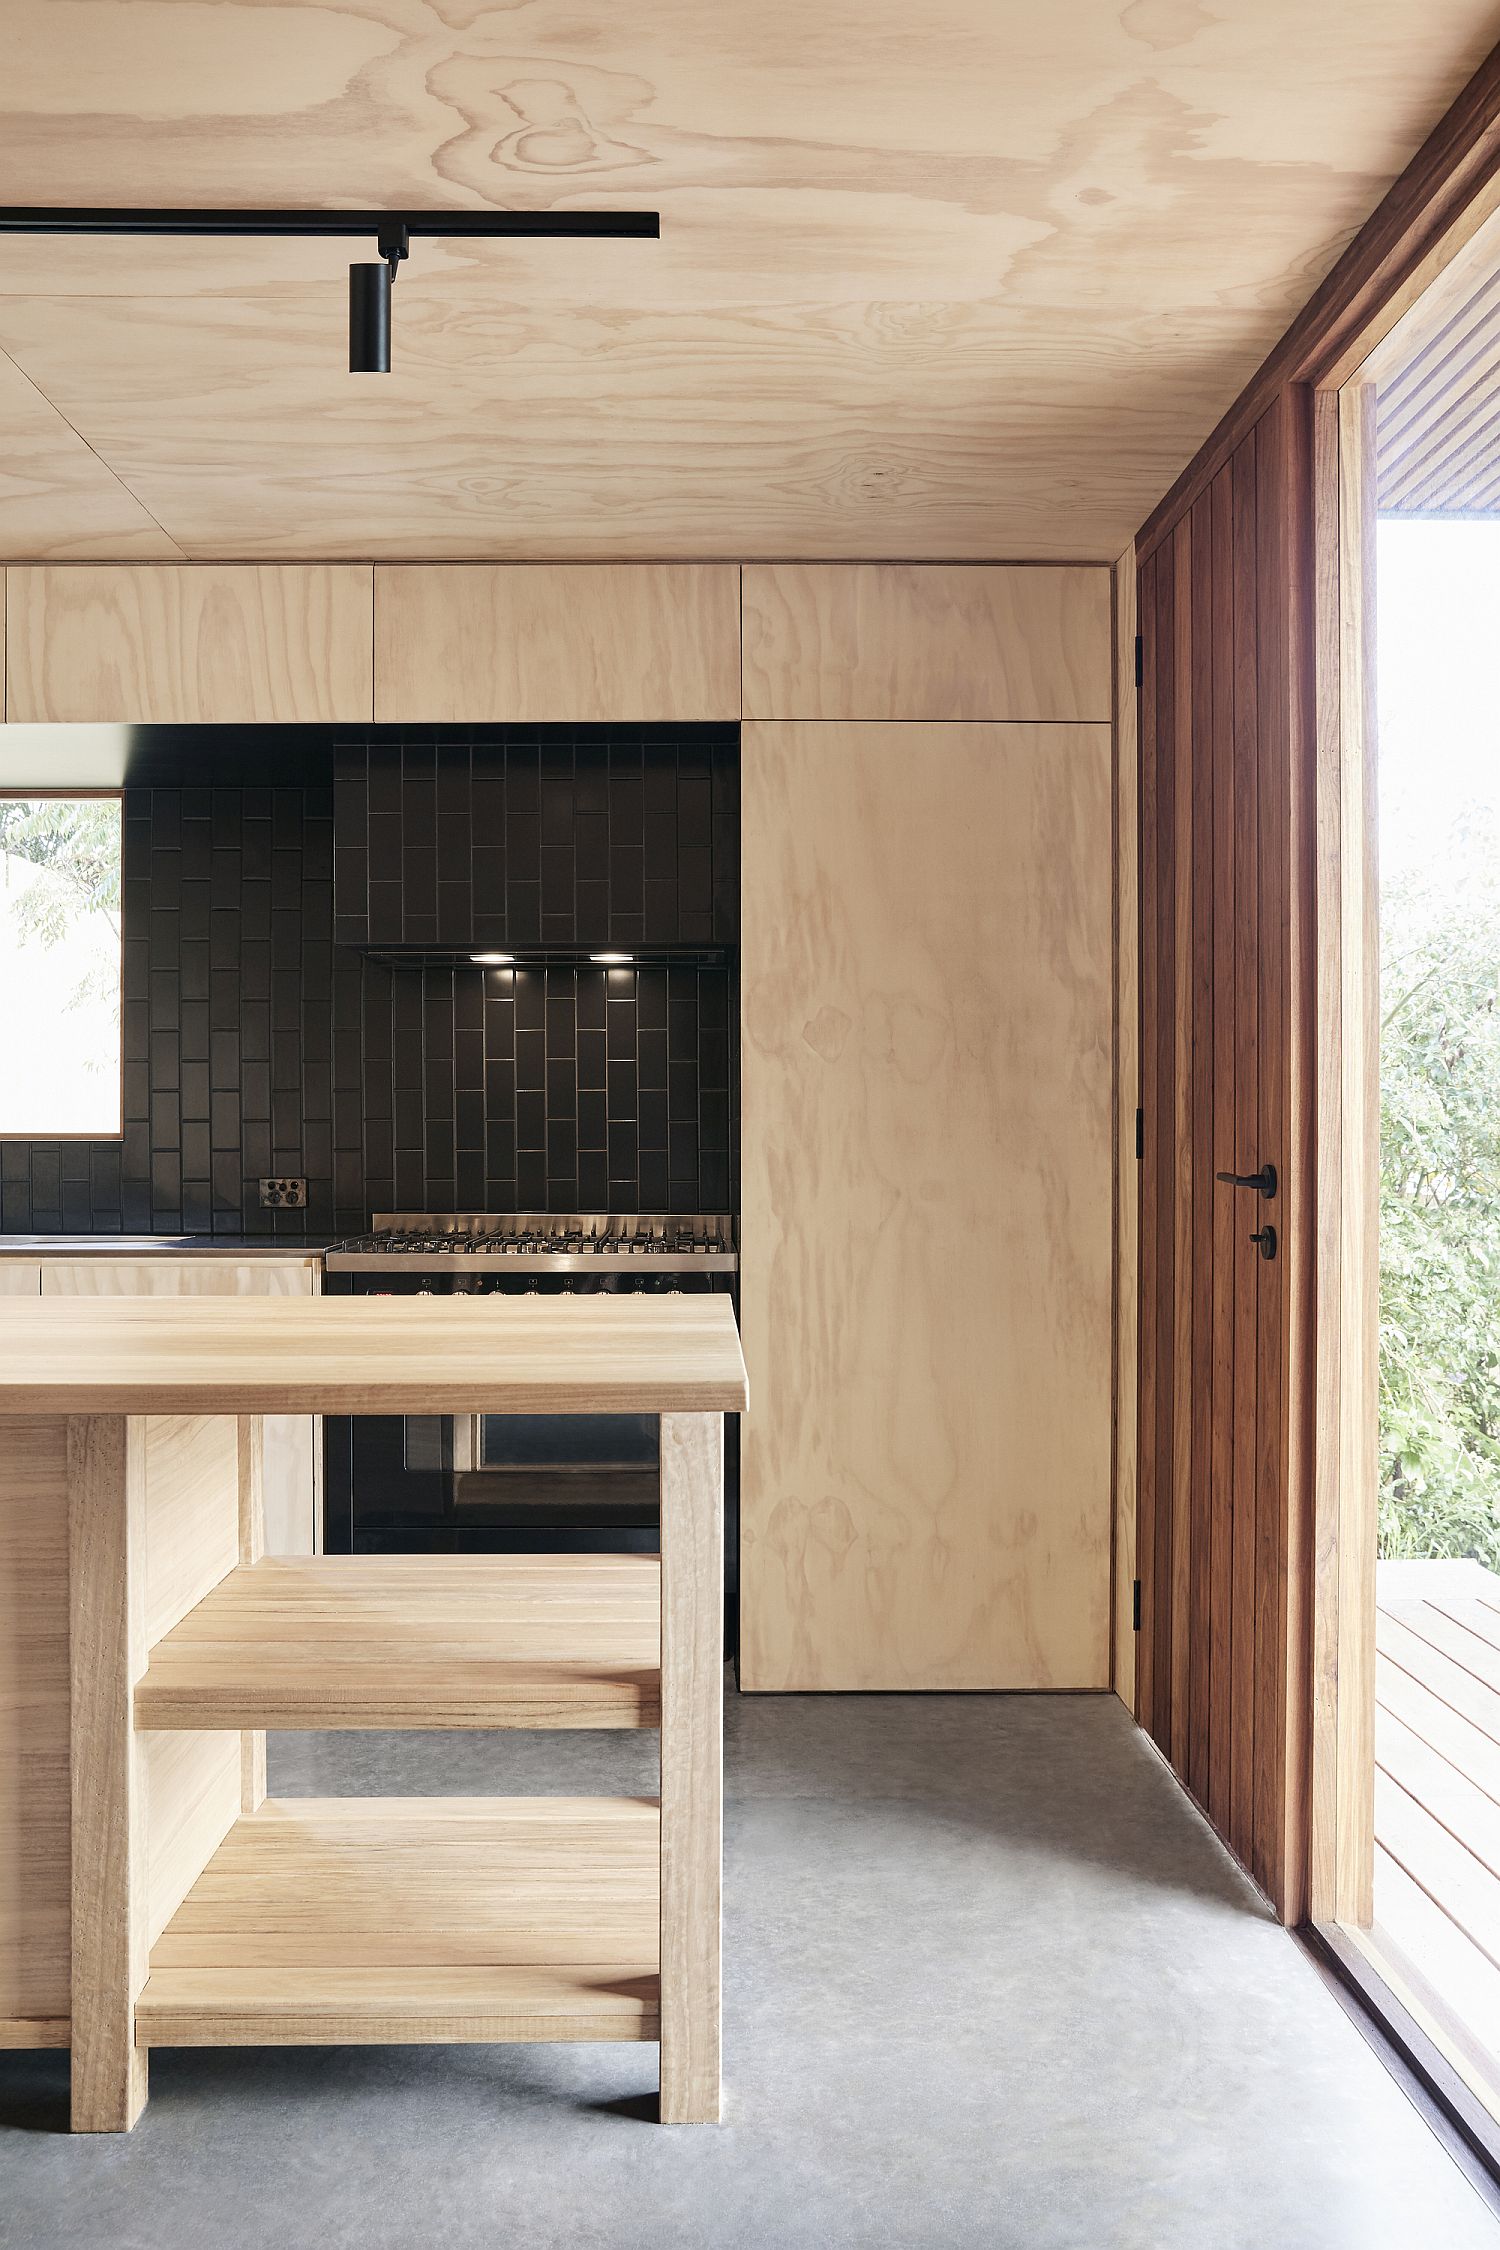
(1263, 1181)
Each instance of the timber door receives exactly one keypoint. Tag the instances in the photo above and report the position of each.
(1218, 1658)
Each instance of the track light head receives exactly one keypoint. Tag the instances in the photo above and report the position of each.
(370, 320)
(370, 305)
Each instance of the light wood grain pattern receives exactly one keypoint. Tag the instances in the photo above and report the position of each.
(895, 641)
(170, 644)
(967, 294)
(107, 1641)
(34, 2031)
(1437, 451)
(34, 1815)
(415, 1642)
(926, 1263)
(251, 1449)
(1341, 1864)
(329, 1355)
(692, 1764)
(594, 642)
(291, 1445)
(190, 1538)
(192, 1518)
(369, 1920)
(57, 497)
(109, 1275)
(1447, 190)
(1127, 1032)
(20, 1277)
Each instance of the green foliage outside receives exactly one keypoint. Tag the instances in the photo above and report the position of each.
(76, 841)
(1440, 1204)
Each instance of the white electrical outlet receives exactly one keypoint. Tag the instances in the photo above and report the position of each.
(283, 1195)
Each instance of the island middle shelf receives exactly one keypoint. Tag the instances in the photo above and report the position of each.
(414, 1642)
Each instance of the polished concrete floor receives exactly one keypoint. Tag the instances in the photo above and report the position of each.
(989, 1981)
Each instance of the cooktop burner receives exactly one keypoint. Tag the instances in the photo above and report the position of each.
(415, 1242)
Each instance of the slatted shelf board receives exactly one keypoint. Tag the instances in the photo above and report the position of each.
(415, 1642)
(327, 1921)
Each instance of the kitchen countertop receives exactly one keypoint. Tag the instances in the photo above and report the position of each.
(154, 1245)
(370, 1355)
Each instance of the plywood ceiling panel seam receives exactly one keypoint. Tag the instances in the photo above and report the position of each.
(109, 470)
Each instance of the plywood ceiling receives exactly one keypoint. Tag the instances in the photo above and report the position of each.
(966, 278)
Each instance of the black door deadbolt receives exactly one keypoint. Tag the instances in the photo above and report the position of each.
(1265, 1238)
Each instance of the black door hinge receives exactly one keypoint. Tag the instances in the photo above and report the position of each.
(1140, 1135)
(1135, 1606)
(1140, 659)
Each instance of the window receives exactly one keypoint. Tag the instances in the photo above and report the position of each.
(60, 967)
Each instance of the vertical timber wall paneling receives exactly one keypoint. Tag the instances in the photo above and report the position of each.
(1127, 1100)
(190, 644)
(621, 643)
(1225, 892)
(927, 984)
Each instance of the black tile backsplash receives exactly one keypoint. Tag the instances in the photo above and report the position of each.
(536, 1089)
(253, 1044)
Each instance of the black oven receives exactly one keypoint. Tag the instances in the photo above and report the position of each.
(507, 1484)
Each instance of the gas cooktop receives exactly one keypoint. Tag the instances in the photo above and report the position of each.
(418, 1242)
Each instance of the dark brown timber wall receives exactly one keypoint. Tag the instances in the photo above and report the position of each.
(1226, 732)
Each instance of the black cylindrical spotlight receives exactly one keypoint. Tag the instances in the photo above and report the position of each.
(370, 319)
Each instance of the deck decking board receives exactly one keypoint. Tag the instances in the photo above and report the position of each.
(1435, 1938)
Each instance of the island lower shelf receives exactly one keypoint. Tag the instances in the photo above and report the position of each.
(328, 1921)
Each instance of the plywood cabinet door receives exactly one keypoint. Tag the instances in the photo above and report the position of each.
(531, 643)
(930, 641)
(189, 644)
(293, 1442)
(20, 1277)
(926, 1242)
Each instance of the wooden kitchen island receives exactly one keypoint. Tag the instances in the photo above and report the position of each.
(150, 1893)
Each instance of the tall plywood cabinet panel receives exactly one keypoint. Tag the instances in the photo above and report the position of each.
(587, 643)
(927, 992)
(184, 644)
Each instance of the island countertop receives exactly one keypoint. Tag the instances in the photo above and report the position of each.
(371, 1355)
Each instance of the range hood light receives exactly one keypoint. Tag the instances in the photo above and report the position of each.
(612, 960)
(492, 960)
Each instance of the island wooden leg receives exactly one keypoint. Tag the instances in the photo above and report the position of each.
(692, 1763)
(250, 1439)
(106, 1508)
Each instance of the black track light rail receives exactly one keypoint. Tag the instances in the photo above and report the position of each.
(457, 225)
(369, 285)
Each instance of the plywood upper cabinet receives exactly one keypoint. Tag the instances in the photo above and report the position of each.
(587, 643)
(183, 644)
(931, 641)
